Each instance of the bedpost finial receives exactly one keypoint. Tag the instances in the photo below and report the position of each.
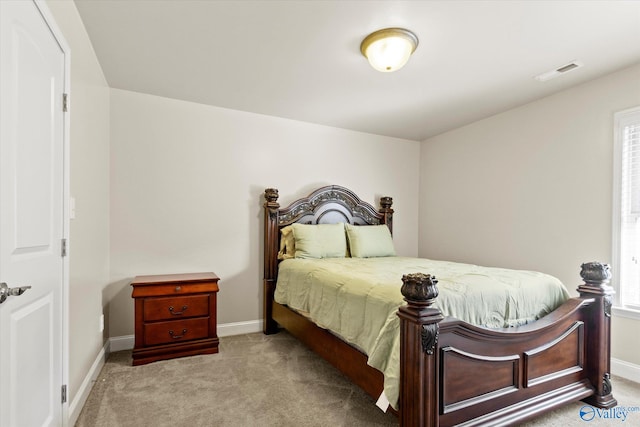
(595, 272)
(271, 194)
(419, 288)
(386, 202)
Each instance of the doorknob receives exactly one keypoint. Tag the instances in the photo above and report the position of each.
(6, 291)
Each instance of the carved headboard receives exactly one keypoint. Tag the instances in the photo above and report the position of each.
(326, 205)
(330, 205)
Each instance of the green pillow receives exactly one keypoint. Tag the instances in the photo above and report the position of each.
(368, 241)
(320, 241)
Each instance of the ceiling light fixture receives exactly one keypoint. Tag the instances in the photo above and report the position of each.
(389, 49)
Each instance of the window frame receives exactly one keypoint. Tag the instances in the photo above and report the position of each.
(620, 118)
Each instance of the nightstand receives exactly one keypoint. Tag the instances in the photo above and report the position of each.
(175, 316)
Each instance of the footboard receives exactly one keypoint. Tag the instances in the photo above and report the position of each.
(453, 373)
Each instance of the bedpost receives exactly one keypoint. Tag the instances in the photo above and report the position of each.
(385, 209)
(596, 278)
(271, 207)
(419, 330)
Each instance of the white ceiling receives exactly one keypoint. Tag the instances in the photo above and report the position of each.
(300, 59)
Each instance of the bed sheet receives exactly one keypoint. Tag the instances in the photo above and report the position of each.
(358, 299)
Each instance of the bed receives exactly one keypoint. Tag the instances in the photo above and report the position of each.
(452, 372)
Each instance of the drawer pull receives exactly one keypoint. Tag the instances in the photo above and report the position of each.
(178, 288)
(176, 337)
(177, 313)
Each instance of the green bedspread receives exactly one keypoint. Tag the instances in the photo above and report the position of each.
(358, 298)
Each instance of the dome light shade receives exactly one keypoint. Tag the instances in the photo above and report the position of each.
(389, 49)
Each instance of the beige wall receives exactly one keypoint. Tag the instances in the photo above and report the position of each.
(530, 188)
(186, 187)
(89, 233)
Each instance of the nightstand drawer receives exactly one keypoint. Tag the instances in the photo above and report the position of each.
(176, 307)
(176, 289)
(176, 331)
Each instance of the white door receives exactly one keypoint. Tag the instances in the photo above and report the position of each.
(32, 75)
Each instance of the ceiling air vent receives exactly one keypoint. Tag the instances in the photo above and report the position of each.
(559, 71)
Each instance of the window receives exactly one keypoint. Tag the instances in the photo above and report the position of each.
(626, 217)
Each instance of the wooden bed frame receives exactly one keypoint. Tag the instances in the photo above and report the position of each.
(454, 373)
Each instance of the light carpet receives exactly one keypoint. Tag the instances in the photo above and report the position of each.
(260, 380)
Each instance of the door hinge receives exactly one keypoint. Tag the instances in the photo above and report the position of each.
(64, 393)
(65, 102)
(64, 247)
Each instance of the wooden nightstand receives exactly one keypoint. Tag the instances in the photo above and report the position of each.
(175, 316)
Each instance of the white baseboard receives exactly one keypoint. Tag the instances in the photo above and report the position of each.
(124, 342)
(239, 328)
(626, 370)
(76, 405)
